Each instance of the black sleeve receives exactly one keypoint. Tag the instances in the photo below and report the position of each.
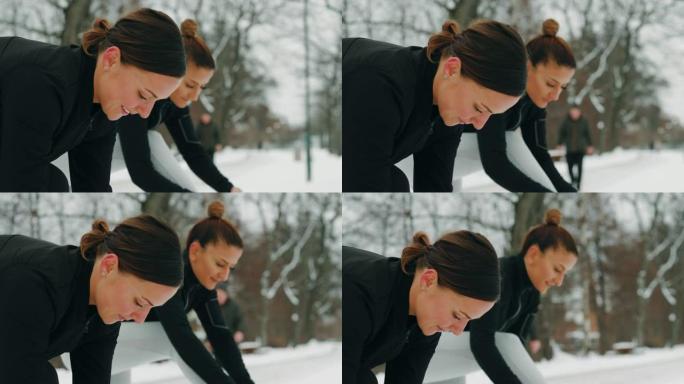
(90, 162)
(189, 347)
(30, 108)
(487, 355)
(356, 329)
(370, 119)
(91, 360)
(433, 165)
(181, 128)
(25, 325)
(136, 152)
(534, 134)
(221, 339)
(491, 141)
(410, 366)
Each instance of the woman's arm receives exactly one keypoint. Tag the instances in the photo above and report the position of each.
(412, 363)
(136, 152)
(491, 141)
(25, 323)
(189, 347)
(91, 360)
(221, 339)
(433, 165)
(534, 133)
(182, 130)
(30, 109)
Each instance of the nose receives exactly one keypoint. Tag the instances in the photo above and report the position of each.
(458, 327)
(479, 121)
(145, 109)
(139, 316)
(556, 93)
(224, 274)
(559, 279)
(195, 94)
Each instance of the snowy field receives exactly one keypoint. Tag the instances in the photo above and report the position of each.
(650, 366)
(616, 171)
(271, 170)
(313, 363)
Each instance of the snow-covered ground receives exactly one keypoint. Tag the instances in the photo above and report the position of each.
(617, 171)
(631, 170)
(661, 366)
(271, 170)
(313, 363)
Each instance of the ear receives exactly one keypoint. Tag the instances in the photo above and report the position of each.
(452, 66)
(111, 57)
(109, 263)
(533, 252)
(428, 278)
(530, 67)
(194, 249)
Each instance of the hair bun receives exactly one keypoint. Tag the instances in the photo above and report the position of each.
(100, 225)
(452, 28)
(216, 209)
(550, 27)
(189, 28)
(421, 238)
(552, 217)
(101, 25)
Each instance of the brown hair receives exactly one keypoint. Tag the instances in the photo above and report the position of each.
(145, 246)
(465, 262)
(148, 39)
(549, 234)
(492, 54)
(196, 50)
(214, 228)
(548, 46)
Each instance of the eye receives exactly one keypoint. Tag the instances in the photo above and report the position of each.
(141, 96)
(138, 304)
(189, 85)
(456, 316)
(477, 109)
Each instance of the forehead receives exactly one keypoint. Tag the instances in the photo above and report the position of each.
(557, 72)
(154, 292)
(560, 255)
(160, 85)
(497, 102)
(197, 74)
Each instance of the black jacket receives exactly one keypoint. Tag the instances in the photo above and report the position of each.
(575, 135)
(376, 326)
(388, 115)
(173, 316)
(491, 141)
(44, 293)
(46, 110)
(513, 313)
(136, 149)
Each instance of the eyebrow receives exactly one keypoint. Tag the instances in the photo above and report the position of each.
(155, 96)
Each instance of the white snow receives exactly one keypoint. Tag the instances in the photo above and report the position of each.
(316, 362)
(268, 170)
(630, 170)
(662, 366)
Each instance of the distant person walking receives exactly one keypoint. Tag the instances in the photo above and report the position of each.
(575, 135)
(209, 135)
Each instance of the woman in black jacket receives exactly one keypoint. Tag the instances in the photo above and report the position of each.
(59, 299)
(512, 146)
(51, 98)
(137, 133)
(394, 309)
(494, 341)
(213, 248)
(402, 101)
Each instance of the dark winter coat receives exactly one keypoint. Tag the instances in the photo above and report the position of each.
(136, 149)
(44, 295)
(388, 115)
(513, 313)
(376, 326)
(174, 320)
(491, 140)
(575, 135)
(46, 110)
